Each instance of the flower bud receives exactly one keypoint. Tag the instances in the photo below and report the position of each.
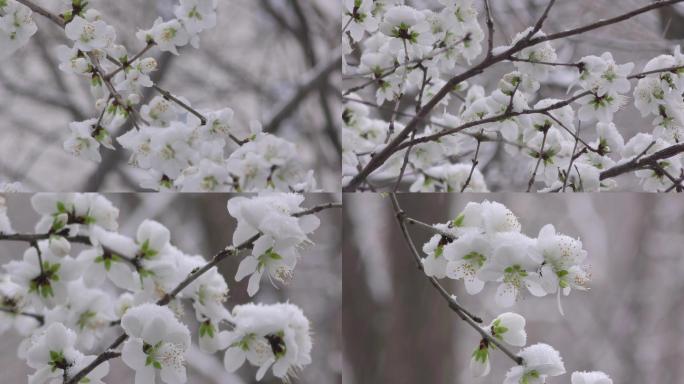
(59, 246)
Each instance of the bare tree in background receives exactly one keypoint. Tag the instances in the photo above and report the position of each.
(626, 324)
(197, 227)
(274, 61)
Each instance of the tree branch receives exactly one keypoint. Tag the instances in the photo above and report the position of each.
(464, 314)
(222, 255)
(382, 156)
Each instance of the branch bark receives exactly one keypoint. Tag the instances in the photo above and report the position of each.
(463, 313)
(381, 157)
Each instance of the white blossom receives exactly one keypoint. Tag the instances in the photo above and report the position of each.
(540, 361)
(276, 336)
(157, 344)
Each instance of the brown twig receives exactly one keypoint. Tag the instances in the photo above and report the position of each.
(454, 305)
(222, 255)
(382, 156)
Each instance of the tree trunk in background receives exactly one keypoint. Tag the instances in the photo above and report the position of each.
(419, 343)
(672, 23)
(360, 324)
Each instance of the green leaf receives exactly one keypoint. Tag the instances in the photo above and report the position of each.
(458, 221)
(85, 318)
(206, 328)
(475, 257)
(147, 252)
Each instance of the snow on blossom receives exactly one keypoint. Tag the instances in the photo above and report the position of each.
(43, 275)
(157, 344)
(73, 212)
(484, 244)
(273, 336)
(53, 355)
(540, 362)
(590, 378)
(13, 299)
(280, 235)
(508, 327)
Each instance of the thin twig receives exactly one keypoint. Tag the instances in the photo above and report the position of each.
(573, 157)
(454, 305)
(382, 156)
(472, 169)
(122, 66)
(539, 160)
(490, 28)
(222, 255)
(40, 318)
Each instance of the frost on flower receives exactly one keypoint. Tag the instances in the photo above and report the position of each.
(150, 252)
(75, 213)
(45, 283)
(540, 362)
(508, 327)
(280, 235)
(54, 357)
(269, 336)
(87, 311)
(157, 344)
(13, 299)
(590, 378)
(60, 306)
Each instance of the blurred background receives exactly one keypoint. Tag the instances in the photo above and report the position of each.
(257, 61)
(200, 224)
(636, 40)
(398, 329)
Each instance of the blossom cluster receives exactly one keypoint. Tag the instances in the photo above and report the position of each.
(16, 26)
(176, 146)
(408, 51)
(539, 361)
(81, 279)
(280, 236)
(484, 244)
